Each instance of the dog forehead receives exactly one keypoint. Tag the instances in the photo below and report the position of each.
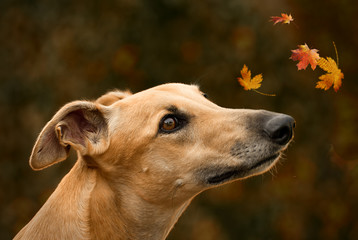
(151, 104)
(175, 89)
(164, 94)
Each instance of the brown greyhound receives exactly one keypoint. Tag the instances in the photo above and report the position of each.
(142, 158)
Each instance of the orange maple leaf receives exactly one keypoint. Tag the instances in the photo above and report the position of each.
(246, 80)
(305, 56)
(284, 19)
(251, 83)
(333, 77)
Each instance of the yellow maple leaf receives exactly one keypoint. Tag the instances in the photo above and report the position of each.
(246, 80)
(333, 77)
(251, 83)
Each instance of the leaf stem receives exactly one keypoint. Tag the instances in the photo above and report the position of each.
(335, 48)
(265, 94)
(296, 25)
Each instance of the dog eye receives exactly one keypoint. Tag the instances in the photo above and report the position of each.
(171, 123)
(206, 95)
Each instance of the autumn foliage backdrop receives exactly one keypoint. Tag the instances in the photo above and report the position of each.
(53, 52)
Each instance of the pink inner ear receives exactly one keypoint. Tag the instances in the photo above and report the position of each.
(76, 127)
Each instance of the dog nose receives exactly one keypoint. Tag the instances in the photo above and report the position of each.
(280, 128)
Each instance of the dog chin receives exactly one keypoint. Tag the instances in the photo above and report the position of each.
(219, 175)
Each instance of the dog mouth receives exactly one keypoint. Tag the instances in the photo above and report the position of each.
(219, 176)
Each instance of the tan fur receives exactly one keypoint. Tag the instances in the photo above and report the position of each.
(132, 181)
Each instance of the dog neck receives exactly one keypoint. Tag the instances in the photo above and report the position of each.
(85, 206)
(123, 214)
(68, 207)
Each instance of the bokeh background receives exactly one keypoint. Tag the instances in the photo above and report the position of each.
(53, 52)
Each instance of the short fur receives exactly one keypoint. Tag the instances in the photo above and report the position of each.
(132, 179)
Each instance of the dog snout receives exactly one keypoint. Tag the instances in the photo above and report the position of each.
(280, 129)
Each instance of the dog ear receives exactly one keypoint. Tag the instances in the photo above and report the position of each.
(80, 125)
(112, 97)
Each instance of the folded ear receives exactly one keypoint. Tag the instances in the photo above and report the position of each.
(112, 97)
(80, 125)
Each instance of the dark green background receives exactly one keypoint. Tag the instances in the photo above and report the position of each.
(53, 52)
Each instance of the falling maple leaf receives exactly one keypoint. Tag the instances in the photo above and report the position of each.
(246, 80)
(333, 77)
(284, 19)
(305, 56)
(251, 83)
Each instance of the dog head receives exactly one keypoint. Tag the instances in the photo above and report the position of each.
(168, 143)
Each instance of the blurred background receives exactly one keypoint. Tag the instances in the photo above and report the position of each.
(53, 52)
